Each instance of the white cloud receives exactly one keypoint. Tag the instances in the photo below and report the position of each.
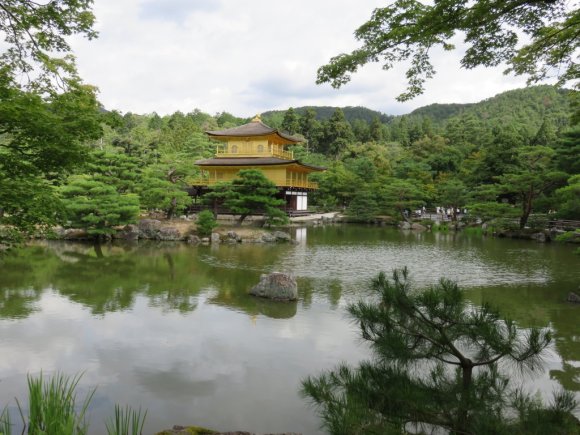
(248, 57)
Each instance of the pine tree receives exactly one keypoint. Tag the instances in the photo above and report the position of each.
(376, 129)
(337, 133)
(437, 364)
(251, 192)
(291, 122)
(97, 207)
(311, 129)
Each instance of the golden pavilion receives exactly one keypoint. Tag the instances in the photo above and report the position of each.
(258, 146)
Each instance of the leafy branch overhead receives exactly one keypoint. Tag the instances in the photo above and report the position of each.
(492, 31)
(36, 36)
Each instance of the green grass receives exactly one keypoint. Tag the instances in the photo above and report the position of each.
(126, 421)
(53, 410)
(53, 406)
(5, 423)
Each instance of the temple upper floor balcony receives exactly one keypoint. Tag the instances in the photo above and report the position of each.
(253, 149)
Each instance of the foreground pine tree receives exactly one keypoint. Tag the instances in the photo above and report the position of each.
(438, 362)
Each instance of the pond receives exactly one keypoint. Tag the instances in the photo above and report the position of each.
(170, 327)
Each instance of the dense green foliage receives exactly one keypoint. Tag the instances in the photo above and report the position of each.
(406, 31)
(205, 223)
(46, 113)
(323, 113)
(251, 192)
(97, 207)
(476, 157)
(439, 363)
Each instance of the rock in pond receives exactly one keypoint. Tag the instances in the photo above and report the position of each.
(277, 286)
(193, 239)
(148, 228)
(196, 430)
(215, 238)
(168, 234)
(573, 297)
(281, 236)
(128, 232)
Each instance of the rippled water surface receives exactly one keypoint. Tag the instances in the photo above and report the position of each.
(170, 328)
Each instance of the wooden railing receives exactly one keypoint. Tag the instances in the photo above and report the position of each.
(292, 182)
(251, 150)
(564, 224)
(204, 181)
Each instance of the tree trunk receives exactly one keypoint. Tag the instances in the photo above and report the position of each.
(98, 247)
(526, 211)
(465, 403)
(405, 218)
(215, 208)
(172, 207)
(241, 219)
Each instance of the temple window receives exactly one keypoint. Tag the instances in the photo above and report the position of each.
(260, 148)
(234, 149)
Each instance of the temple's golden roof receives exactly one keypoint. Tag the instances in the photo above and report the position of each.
(255, 128)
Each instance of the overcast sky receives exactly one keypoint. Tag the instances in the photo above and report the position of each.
(250, 56)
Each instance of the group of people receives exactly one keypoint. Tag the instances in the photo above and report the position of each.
(442, 212)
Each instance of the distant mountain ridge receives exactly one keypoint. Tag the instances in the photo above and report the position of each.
(522, 105)
(325, 112)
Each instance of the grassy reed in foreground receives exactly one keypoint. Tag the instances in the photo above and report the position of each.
(5, 423)
(52, 406)
(126, 421)
(53, 410)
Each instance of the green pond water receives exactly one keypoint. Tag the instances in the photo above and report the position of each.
(170, 327)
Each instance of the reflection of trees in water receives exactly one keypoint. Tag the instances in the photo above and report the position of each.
(332, 291)
(25, 273)
(542, 306)
(565, 323)
(18, 304)
(106, 279)
(109, 277)
(231, 287)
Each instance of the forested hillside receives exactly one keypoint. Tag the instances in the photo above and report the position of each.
(324, 113)
(524, 107)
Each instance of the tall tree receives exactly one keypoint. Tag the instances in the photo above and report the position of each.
(42, 137)
(337, 133)
(46, 113)
(532, 177)
(452, 193)
(291, 122)
(568, 151)
(401, 197)
(376, 129)
(409, 30)
(569, 199)
(311, 129)
(436, 364)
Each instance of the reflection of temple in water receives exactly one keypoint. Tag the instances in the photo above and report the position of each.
(300, 235)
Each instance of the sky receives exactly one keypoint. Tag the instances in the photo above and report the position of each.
(250, 56)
